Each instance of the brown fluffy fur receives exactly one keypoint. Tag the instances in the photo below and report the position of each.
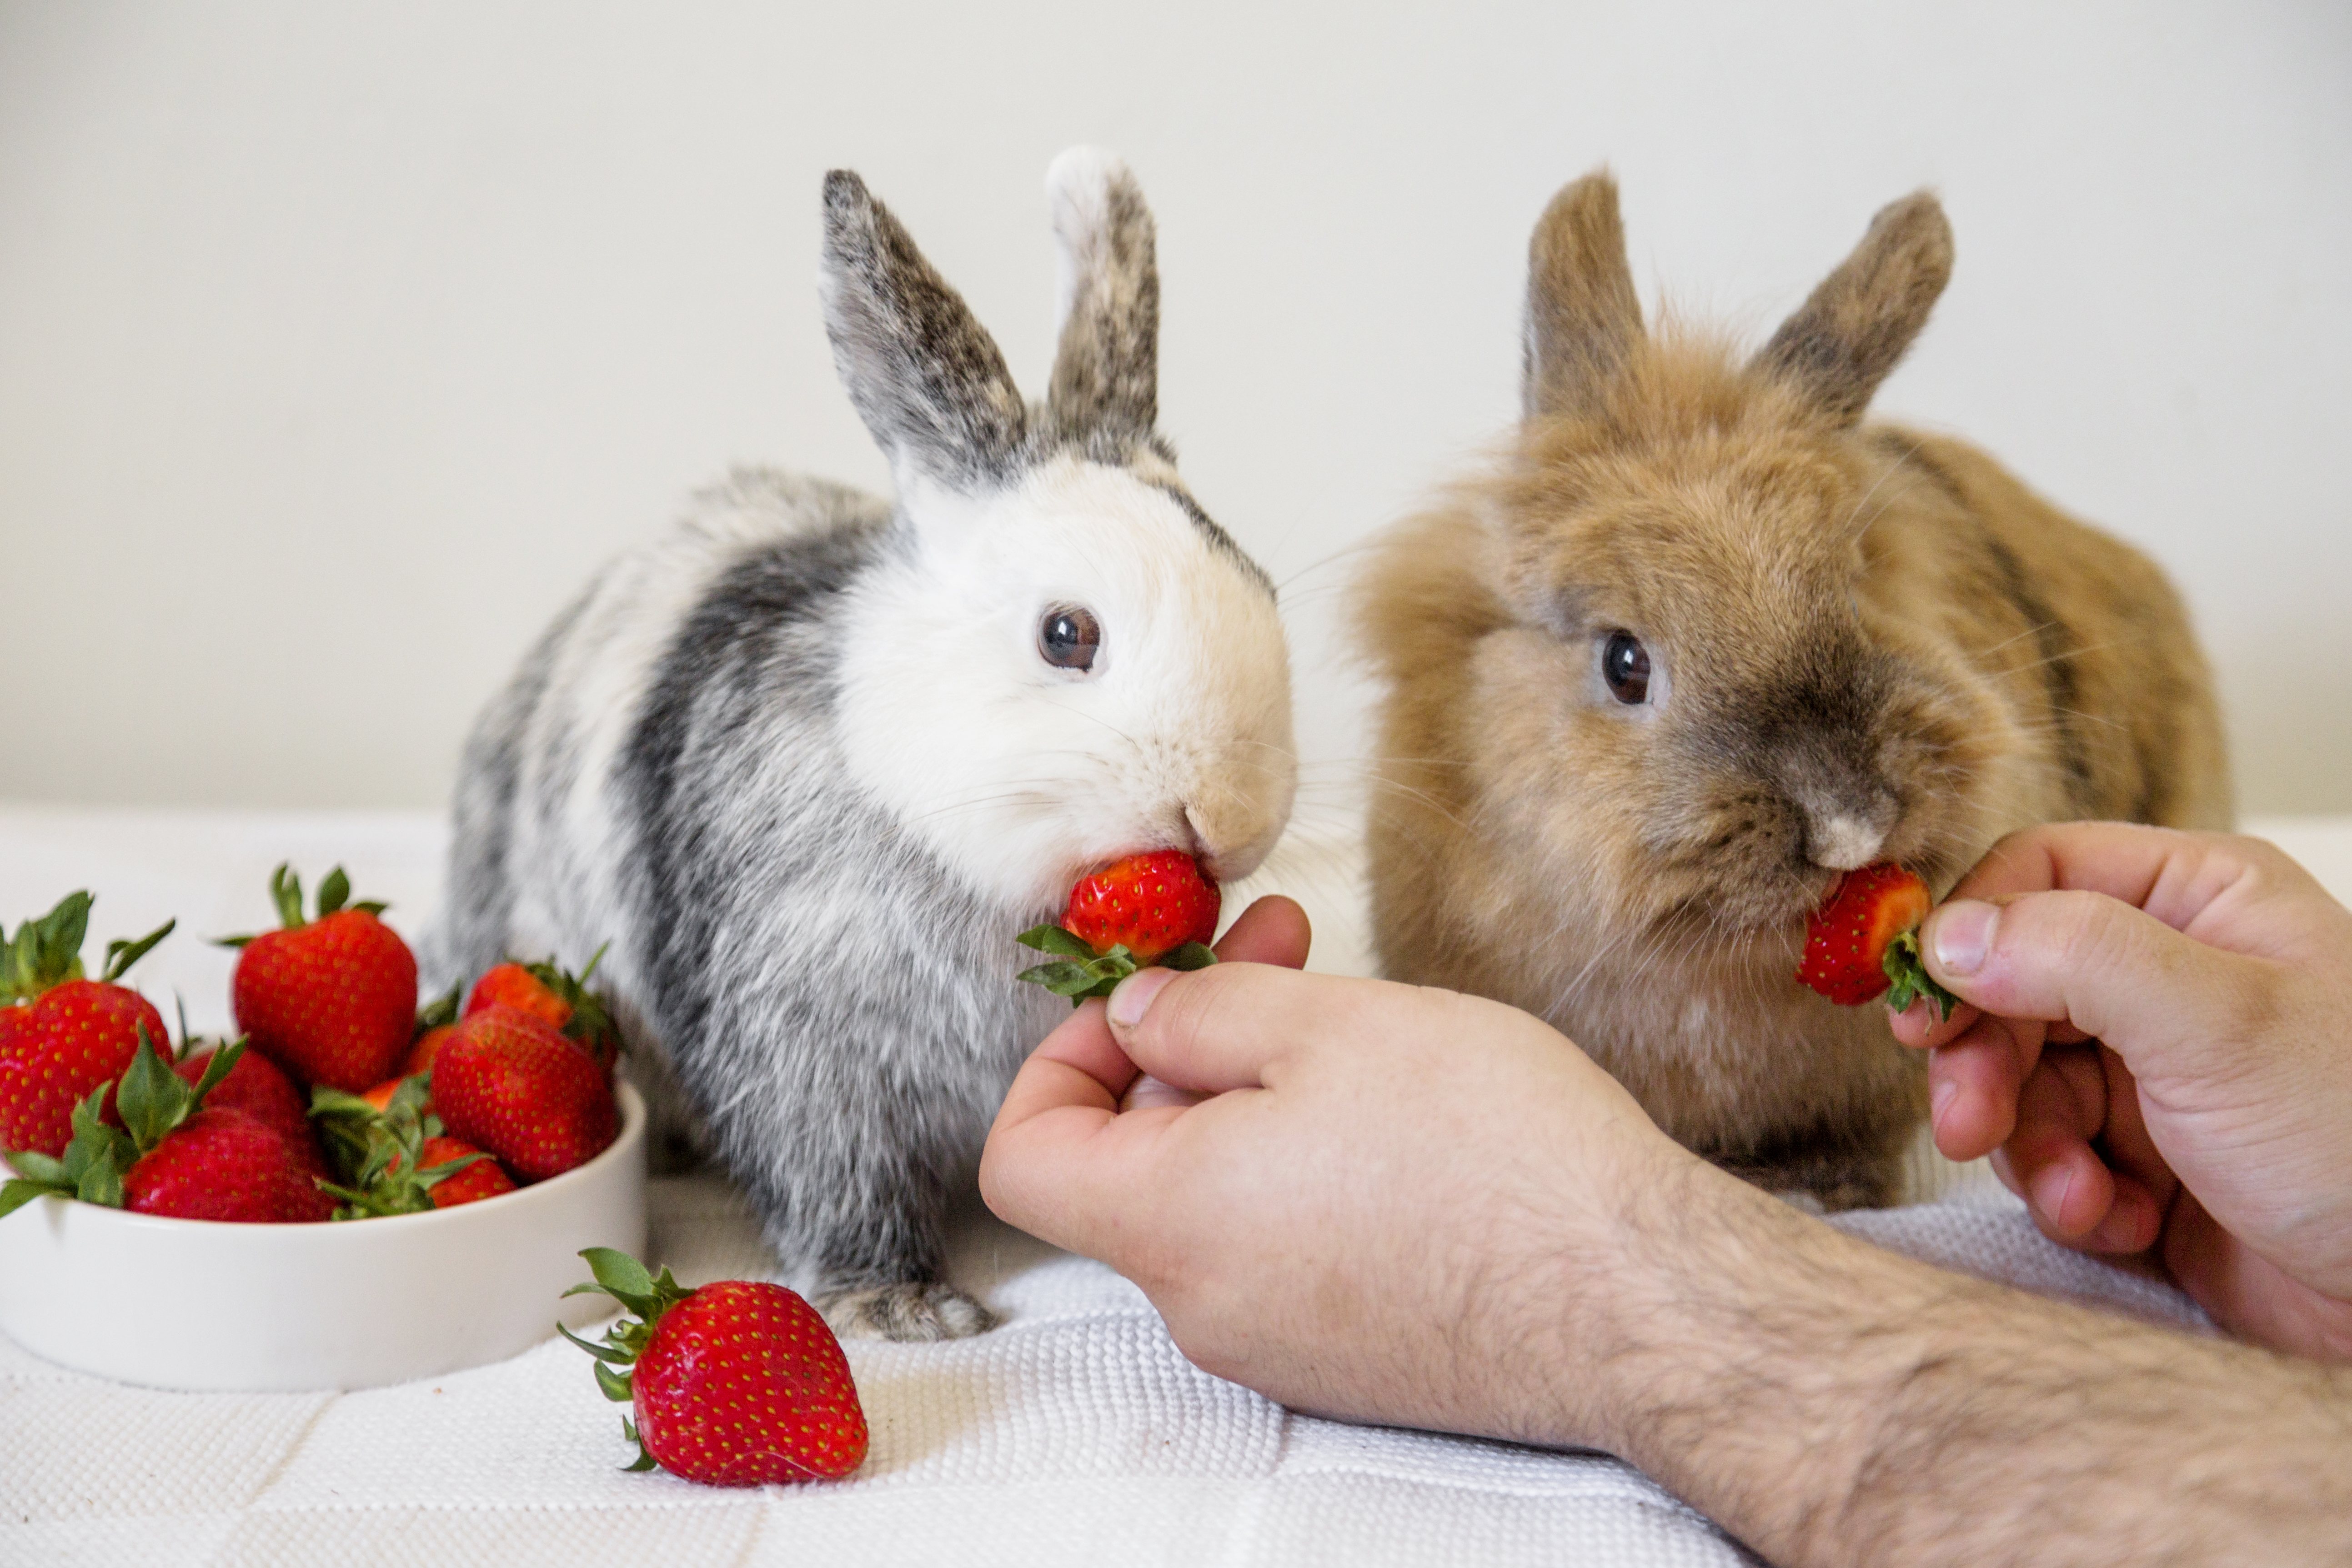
(1861, 631)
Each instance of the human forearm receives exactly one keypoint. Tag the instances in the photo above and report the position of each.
(1833, 1403)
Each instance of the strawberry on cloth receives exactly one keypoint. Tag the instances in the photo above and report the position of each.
(1144, 910)
(1864, 942)
(332, 1000)
(62, 1035)
(738, 1384)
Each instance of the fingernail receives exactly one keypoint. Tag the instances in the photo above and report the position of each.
(1941, 1101)
(1133, 997)
(1963, 935)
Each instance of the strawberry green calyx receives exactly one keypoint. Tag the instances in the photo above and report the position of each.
(591, 1023)
(1079, 971)
(46, 952)
(286, 892)
(151, 1098)
(624, 1279)
(379, 1152)
(1909, 972)
(439, 1013)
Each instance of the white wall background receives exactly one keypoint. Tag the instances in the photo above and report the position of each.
(337, 342)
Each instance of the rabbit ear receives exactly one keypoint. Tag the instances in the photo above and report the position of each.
(1845, 339)
(925, 375)
(1583, 316)
(1106, 369)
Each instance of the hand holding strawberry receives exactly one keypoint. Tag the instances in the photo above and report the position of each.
(1133, 913)
(1862, 942)
(332, 1000)
(736, 1385)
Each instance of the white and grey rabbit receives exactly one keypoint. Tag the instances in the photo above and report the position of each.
(812, 760)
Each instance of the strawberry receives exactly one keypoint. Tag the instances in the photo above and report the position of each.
(556, 994)
(75, 1035)
(258, 1087)
(1142, 911)
(738, 1384)
(394, 1157)
(470, 1184)
(227, 1165)
(1863, 941)
(332, 1000)
(173, 1154)
(506, 1082)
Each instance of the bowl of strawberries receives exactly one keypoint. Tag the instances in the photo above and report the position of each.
(352, 1193)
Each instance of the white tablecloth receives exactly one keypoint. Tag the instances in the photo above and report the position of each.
(1075, 1434)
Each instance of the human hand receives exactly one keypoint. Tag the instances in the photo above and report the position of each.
(1393, 1206)
(2162, 1064)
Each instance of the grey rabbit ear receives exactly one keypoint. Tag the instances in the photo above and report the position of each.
(1106, 368)
(1847, 336)
(1584, 320)
(925, 375)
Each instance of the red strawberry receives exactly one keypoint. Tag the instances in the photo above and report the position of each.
(508, 1083)
(428, 1047)
(512, 986)
(482, 1179)
(1150, 904)
(225, 1165)
(258, 1087)
(333, 1000)
(736, 1385)
(1144, 910)
(1860, 941)
(173, 1154)
(75, 1035)
(558, 996)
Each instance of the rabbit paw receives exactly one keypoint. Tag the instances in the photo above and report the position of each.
(910, 1311)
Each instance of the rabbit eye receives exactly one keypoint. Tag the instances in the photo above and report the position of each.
(1626, 666)
(1069, 636)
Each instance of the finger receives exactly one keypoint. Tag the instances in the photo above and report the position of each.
(2095, 962)
(1054, 1149)
(2066, 1184)
(1147, 1093)
(1221, 1029)
(2157, 869)
(2145, 1183)
(1273, 930)
(1972, 1084)
(1923, 1026)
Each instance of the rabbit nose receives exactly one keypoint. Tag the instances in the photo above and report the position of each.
(1228, 839)
(1842, 842)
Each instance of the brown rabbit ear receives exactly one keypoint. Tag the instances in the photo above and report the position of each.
(1849, 334)
(1583, 316)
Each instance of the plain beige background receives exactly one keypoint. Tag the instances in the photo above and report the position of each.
(338, 342)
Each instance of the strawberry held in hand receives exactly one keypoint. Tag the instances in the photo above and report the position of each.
(77, 1034)
(1863, 941)
(738, 1384)
(332, 1000)
(1142, 911)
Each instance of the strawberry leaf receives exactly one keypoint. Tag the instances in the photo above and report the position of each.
(1055, 939)
(120, 955)
(1192, 955)
(286, 892)
(438, 1013)
(616, 1384)
(35, 1166)
(334, 893)
(1908, 971)
(46, 953)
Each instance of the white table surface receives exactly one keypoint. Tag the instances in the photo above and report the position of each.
(1077, 1432)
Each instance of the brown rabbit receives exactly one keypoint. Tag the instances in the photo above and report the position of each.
(1701, 642)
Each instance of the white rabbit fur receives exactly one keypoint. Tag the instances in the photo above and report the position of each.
(803, 762)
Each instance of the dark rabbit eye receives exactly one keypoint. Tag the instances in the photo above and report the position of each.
(1626, 666)
(1069, 637)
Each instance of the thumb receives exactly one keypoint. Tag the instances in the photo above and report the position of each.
(2113, 971)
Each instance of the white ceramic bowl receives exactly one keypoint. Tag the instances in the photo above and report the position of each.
(186, 1304)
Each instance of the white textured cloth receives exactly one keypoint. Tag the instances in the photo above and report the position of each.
(1075, 1434)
